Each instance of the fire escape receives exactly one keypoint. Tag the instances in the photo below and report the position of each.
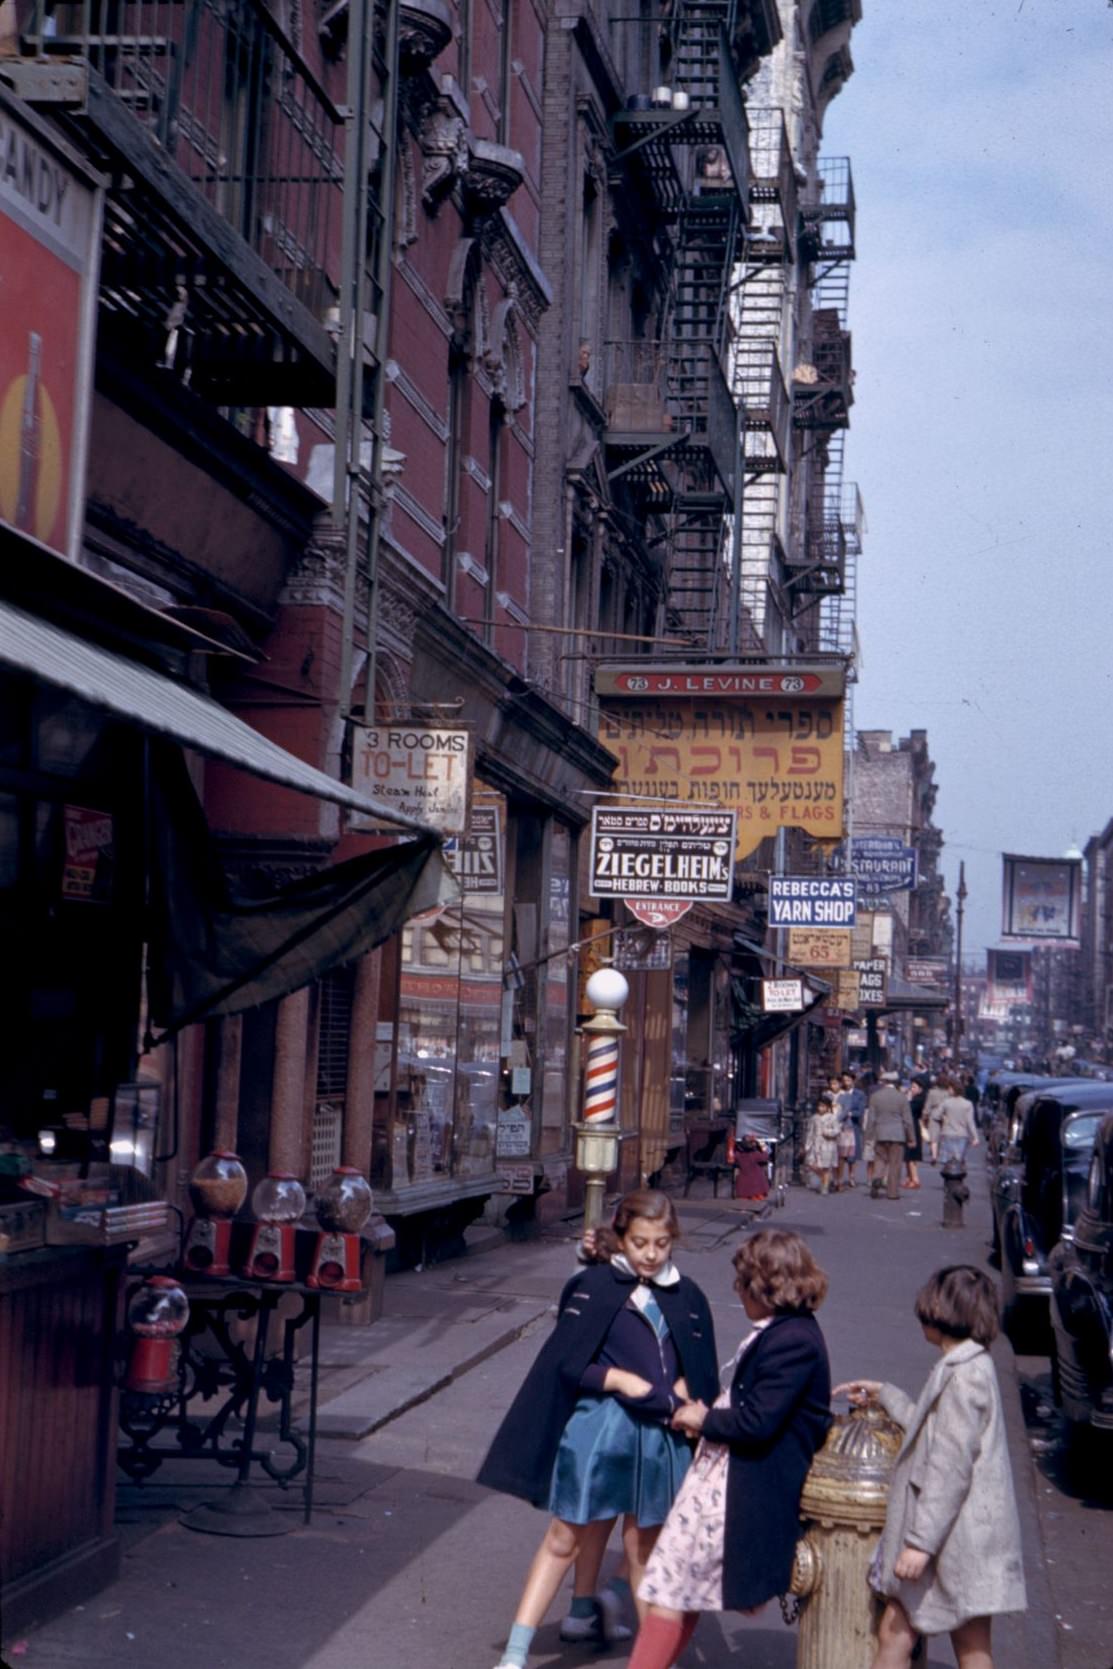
(672, 422)
(223, 153)
(827, 531)
(759, 295)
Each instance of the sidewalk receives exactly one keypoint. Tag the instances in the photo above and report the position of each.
(408, 1563)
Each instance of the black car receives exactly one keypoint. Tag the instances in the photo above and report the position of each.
(1001, 1109)
(1082, 1299)
(1039, 1194)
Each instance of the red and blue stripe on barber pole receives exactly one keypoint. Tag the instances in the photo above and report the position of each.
(601, 1080)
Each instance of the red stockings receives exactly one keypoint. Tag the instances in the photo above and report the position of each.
(661, 1640)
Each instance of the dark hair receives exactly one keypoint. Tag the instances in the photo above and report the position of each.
(649, 1203)
(777, 1269)
(960, 1302)
(825, 1098)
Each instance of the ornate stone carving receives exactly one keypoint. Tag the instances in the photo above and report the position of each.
(424, 30)
(444, 146)
(494, 173)
(318, 577)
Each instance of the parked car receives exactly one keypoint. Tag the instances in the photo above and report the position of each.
(1039, 1193)
(1082, 1299)
(1001, 1111)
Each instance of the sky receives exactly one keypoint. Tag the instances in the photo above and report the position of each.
(981, 142)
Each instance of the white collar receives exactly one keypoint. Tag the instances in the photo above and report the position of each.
(669, 1276)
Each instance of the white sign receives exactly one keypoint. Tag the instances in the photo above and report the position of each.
(782, 996)
(513, 1131)
(416, 770)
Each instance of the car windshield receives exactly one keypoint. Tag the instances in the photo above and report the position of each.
(1079, 1132)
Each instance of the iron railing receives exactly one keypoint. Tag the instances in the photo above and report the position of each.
(759, 386)
(220, 89)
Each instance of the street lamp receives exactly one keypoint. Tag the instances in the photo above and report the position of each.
(597, 1133)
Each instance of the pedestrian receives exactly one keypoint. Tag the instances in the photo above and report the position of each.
(824, 1136)
(855, 1103)
(936, 1095)
(950, 1557)
(914, 1150)
(958, 1127)
(588, 1434)
(728, 1543)
(889, 1127)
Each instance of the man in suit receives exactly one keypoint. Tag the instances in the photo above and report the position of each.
(889, 1127)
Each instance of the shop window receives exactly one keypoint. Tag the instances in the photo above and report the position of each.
(333, 1034)
(557, 988)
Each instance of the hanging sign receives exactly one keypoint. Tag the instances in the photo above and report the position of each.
(641, 950)
(811, 901)
(1042, 898)
(475, 858)
(782, 996)
(819, 947)
(87, 867)
(848, 993)
(882, 864)
(654, 913)
(766, 741)
(931, 971)
(419, 771)
(1009, 977)
(873, 981)
(665, 854)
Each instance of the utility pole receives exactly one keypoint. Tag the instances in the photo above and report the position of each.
(956, 1025)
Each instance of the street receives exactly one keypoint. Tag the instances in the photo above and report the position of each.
(408, 1564)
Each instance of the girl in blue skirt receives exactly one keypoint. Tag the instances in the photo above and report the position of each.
(588, 1434)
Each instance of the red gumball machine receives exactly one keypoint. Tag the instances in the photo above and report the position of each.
(157, 1314)
(277, 1204)
(342, 1207)
(218, 1187)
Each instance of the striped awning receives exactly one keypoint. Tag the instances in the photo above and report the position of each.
(155, 702)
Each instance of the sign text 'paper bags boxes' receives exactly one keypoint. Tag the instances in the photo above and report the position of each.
(819, 947)
(766, 741)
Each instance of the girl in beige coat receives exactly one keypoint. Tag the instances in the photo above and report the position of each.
(949, 1557)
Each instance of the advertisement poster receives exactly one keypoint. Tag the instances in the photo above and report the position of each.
(704, 737)
(1009, 978)
(1042, 898)
(87, 865)
(49, 249)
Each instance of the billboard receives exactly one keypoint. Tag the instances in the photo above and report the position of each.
(765, 741)
(1042, 898)
(50, 214)
(1009, 978)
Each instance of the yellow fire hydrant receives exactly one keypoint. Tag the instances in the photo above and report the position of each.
(843, 1503)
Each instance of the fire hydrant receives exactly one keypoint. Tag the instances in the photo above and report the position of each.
(955, 1193)
(843, 1503)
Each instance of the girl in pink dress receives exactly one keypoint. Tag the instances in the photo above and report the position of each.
(729, 1540)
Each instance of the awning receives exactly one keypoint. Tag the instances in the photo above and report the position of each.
(156, 702)
(901, 997)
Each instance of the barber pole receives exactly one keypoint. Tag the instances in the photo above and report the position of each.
(597, 1133)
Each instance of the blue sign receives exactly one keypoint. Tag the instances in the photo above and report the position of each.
(882, 863)
(811, 901)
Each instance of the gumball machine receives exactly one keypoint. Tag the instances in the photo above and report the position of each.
(158, 1312)
(277, 1204)
(218, 1187)
(342, 1206)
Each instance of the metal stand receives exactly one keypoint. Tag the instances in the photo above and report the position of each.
(238, 1379)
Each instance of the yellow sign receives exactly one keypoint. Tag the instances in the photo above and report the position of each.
(847, 990)
(777, 762)
(819, 947)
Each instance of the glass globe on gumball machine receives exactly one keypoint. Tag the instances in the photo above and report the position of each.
(218, 1187)
(343, 1207)
(157, 1314)
(277, 1204)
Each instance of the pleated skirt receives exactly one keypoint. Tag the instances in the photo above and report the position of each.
(610, 1464)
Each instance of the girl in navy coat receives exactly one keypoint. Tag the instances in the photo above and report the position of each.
(729, 1541)
(588, 1436)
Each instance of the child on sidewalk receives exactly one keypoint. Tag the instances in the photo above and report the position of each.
(588, 1433)
(949, 1557)
(729, 1541)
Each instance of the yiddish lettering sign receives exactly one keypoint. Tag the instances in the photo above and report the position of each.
(882, 864)
(665, 854)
